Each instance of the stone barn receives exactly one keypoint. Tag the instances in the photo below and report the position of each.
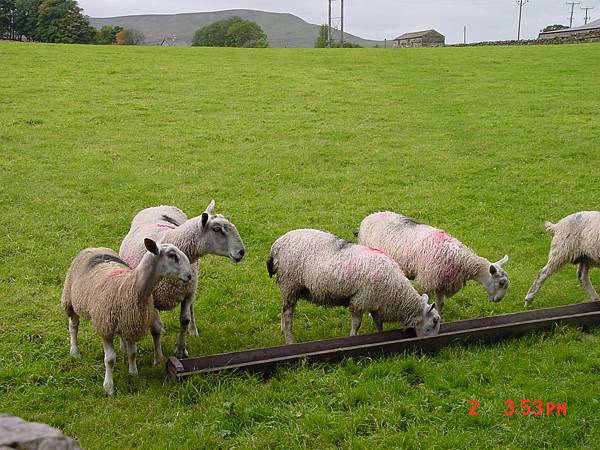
(427, 38)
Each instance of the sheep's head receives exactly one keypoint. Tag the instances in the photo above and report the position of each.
(430, 319)
(172, 262)
(496, 283)
(222, 237)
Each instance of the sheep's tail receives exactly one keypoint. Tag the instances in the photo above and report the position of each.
(271, 266)
(550, 227)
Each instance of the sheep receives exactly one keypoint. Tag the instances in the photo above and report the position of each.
(196, 237)
(576, 240)
(101, 287)
(329, 271)
(438, 263)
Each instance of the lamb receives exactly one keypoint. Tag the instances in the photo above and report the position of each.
(101, 287)
(576, 240)
(329, 271)
(439, 263)
(196, 237)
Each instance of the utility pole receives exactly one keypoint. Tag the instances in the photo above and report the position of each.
(572, 10)
(520, 3)
(465, 35)
(587, 17)
(342, 25)
(329, 27)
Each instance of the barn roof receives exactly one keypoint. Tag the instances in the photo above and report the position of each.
(593, 25)
(417, 34)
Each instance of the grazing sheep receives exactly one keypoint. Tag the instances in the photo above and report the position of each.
(196, 237)
(102, 288)
(329, 271)
(439, 263)
(576, 240)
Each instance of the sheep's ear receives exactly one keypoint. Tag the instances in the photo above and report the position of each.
(151, 246)
(431, 309)
(210, 207)
(503, 261)
(204, 219)
(425, 298)
(493, 269)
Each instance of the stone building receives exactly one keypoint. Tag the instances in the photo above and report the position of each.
(583, 30)
(427, 38)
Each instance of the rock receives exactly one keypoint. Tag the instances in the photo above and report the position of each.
(16, 433)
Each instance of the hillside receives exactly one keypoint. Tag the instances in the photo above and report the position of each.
(283, 30)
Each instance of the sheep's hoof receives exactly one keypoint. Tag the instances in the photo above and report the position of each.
(157, 361)
(182, 354)
(109, 390)
(75, 352)
(193, 331)
(133, 373)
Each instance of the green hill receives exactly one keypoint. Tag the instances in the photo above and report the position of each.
(283, 30)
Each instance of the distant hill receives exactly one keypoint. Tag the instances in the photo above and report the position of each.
(283, 30)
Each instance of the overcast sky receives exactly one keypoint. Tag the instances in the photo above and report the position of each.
(379, 19)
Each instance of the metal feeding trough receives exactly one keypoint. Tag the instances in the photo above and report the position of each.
(480, 330)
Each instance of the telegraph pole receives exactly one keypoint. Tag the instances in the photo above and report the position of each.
(465, 35)
(572, 9)
(329, 27)
(342, 25)
(520, 3)
(587, 17)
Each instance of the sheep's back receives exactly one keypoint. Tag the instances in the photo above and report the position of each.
(577, 237)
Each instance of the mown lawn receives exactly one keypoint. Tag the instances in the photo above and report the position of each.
(484, 142)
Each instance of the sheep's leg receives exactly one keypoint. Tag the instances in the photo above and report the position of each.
(356, 321)
(584, 277)
(287, 312)
(110, 356)
(193, 329)
(544, 273)
(156, 330)
(439, 305)
(73, 330)
(184, 321)
(377, 321)
(131, 354)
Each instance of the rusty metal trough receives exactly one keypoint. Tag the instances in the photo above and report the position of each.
(480, 330)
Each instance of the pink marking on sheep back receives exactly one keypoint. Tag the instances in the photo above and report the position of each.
(164, 225)
(131, 261)
(441, 237)
(118, 272)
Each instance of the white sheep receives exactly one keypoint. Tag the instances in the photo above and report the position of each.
(576, 240)
(205, 234)
(101, 287)
(439, 263)
(329, 271)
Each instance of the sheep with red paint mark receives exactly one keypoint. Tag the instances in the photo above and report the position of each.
(101, 287)
(330, 271)
(439, 263)
(575, 240)
(205, 234)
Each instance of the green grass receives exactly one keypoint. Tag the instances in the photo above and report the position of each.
(484, 142)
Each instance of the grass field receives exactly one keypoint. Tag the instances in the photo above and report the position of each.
(484, 142)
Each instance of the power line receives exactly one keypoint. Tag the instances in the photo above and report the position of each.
(520, 3)
(587, 17)
(572, 10)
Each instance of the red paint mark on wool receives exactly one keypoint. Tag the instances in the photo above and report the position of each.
(440, 236)
(118, 272)
(376, 251)
(164, 225)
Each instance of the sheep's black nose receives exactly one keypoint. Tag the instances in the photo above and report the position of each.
(242, 252)
(189, 277)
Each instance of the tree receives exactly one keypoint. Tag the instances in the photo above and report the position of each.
(128, 36)
(107, 34)
(232, 32)
(7, 19)
(27, 17)
(323, 37)
(554, 28)
(62, 21)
